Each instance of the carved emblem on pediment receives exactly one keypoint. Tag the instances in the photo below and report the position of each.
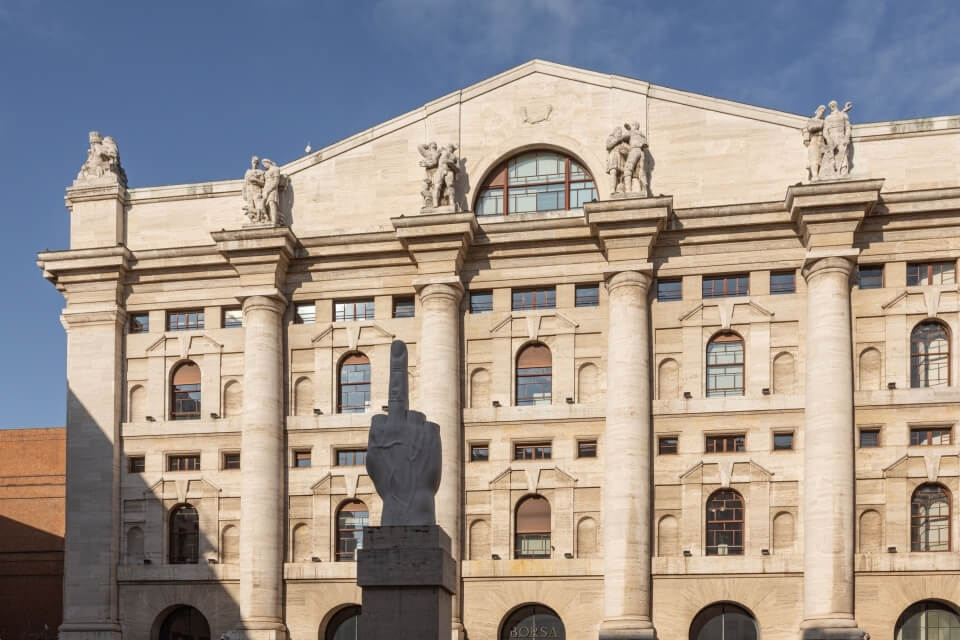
(536, 114)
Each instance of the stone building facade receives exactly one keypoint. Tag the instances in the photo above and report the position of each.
(721, 397)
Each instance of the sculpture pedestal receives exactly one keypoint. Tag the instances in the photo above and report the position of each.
(841, 633)
(408, 578)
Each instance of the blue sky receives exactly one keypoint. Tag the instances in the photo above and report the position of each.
(191, 89)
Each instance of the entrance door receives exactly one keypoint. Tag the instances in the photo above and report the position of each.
(723, 622)
(185, 623)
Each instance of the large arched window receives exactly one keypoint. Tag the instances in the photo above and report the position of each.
(534, 375)
(354, 384)
(533, 621)
(184, 623)
(930, 518)
(725, 366)
(535, 181)
(725, 523)
(723, 621)
(928, 620)
(929, 355)
(532, 525)
(184, 535)
(344, 625)
(185, 392)
(351, 519)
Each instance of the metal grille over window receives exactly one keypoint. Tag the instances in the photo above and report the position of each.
(725, 523)
(355, 384)
(532, 538)
(353, 310)
(535, 181)
(725, 366)
(534, 376)
(351, 519)
(184, 535)
(929, 355)
(930, 519)
(185, 394)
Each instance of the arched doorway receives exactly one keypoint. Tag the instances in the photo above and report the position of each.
(344, 624)
(723, 621)
(533, 621)
(928, 620)
(184, 623)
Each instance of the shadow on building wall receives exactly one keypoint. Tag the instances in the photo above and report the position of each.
(31, 581)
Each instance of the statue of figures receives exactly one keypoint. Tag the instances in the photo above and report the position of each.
(446, 176)
(634, 172)
(431, 157)
(403, 453)
(261, 191)
(253, 190)
(837, 134)
(617, 152)
(272, 183)
(813, 139)
(103, 161)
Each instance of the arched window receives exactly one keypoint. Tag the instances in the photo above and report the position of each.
(929, 355)
(185, 392)
(725, 523)
(928, 620)
(535, 181)
(930, 518)
(725, 366)
(532, 525)
(354, 384)
(723, 621)
(533, 621)
(344, 624)
(184, 623)
(534, 375)
(184, 535)
(351, 519)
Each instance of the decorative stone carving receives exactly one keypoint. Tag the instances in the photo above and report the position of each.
(440, 166)
(828, 142)
(103, 161)
(541, 114)
(627, 160)
(261, 192)
(403, 454)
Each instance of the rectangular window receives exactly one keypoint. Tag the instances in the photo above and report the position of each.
(587, 295)
(726, 286)
(350, 310)
(481, 301)
(139, 323)
(302, 458)
(304, 313)
(136, 464)
(669, 289)
(726, 444)
(189, 462)
(533, 451)
(783, 282)
(479, 452)
(783, 441)
(351, 457)
(931, 273)
(231, 460)
(185, 320)
(667, 445)
(232, 317)
(870, 276)
(527, 299)
(928, 436)
(403, 307)
(869, 438)
(587, 449)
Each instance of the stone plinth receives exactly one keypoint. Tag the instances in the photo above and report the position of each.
(408, 578)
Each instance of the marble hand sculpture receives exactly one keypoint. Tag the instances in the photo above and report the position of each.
(403, 454)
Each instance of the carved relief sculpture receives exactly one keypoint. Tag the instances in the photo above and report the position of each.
(626, 160)
(441, 166)
(828, 142)
(261, 192)
(103, 161)
(404, 454)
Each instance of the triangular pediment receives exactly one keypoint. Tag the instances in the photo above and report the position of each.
(352, 335)
(532, 325)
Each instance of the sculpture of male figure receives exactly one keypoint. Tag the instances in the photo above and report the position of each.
(272, 181)
(634, 168)
(617, 152)
(813, 139)
(103, 158)
(446, 175)
(431, 158)
(404, 454)
(837, 134)
(253, 190)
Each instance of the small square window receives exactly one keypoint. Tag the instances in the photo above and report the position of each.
(587, 449)
(352, 310)
(351, 457)
(232, 317)
(139, 323)
(869, 438)
(870, 276)
(783, 282)
(304, 313)
(187, 320)
(189, 462)
(302, 458)
(533, 451)
(783, 441)
(479, 452)
(136, 464)
(527, 299)
(587, 295)
(669, 289)
(667, 445)
(403, 307)
(231, 460)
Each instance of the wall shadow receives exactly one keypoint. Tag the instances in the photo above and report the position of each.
(31, 581)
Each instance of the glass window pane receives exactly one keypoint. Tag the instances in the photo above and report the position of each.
(490, 202)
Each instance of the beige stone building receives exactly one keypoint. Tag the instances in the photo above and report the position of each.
(723, 410)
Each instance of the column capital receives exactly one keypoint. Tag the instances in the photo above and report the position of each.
(275, 302)
(824, 262)
(437, 242)
(439, 287)
(260, 256)
(631, 275)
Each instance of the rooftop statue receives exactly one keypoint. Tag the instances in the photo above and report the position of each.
(403, 453)
(261, 192)
(441, 166)
(828, 142)
(103, 161)
(627, 160)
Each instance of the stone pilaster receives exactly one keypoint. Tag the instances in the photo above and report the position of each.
(627, 480)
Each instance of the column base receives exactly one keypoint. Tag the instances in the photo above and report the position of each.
(833, 633)
(256, 630)
(89, 631)
(627, 629)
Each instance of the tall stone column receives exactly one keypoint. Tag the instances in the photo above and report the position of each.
(627, 481)
(828, 456)
(262, 503)
(439, 351)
